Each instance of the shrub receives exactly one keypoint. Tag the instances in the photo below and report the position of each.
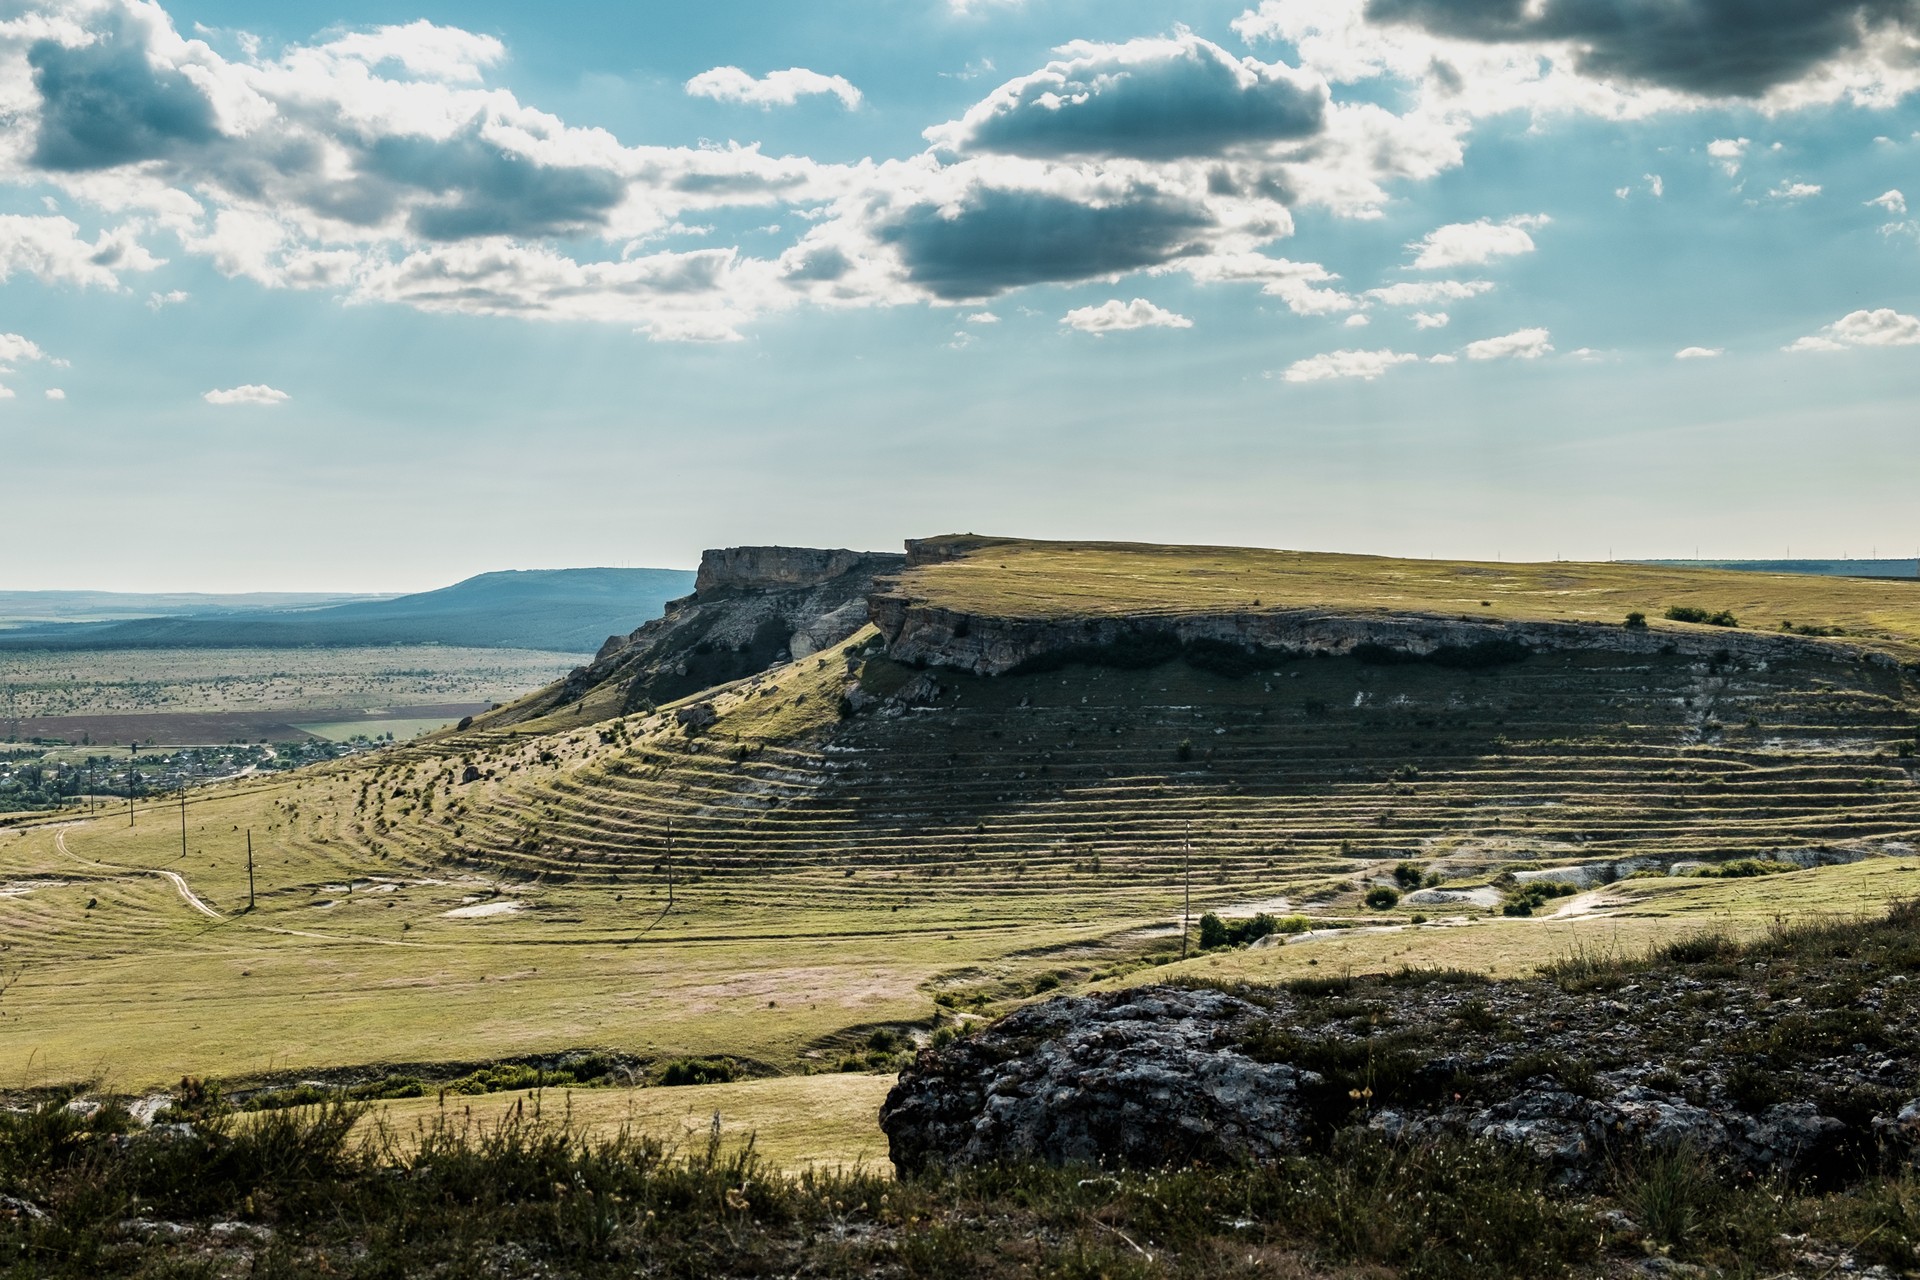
(1185, 750)
(1636, 621)
(1693, 613)
(1380, 898)
(1525, 899)
(684, 1071)
(1742, 868)
(1410, 875)
(1216, 933)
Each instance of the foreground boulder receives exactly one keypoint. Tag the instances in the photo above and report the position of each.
(1770, 1064)
(1147, 1077)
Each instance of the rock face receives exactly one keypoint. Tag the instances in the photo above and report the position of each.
(769, 568)
(752, 607)
(1727, 1065)
(922, 633)
(1148, 1077)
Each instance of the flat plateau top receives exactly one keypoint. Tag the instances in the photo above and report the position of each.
(995, 577)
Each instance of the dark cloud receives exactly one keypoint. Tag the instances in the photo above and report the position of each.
(493, 191)
(1193, 100)
(1717, 48)
(822, 265)
(104, 104)
(1002, 240)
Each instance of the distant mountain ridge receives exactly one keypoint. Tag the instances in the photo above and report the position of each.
(563, 610)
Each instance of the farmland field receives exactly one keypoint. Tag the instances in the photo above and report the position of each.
(224, 695)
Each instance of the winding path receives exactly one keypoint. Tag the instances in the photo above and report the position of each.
(178, 881)
(199, 904)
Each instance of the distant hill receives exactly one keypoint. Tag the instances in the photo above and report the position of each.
(565, 610)
(1908, 568)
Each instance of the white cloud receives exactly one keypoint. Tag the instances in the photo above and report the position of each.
(6, 392)
(1366, 365)
(1621, 193)
(383, 166)
(1430, 319)
(1891, 201)
(1424, 293)
(55, 393)
(1729, 152)
(1472, 243)
(775, 89)
(1295, 283)
(1115, 316)
(1699, 353)
(15, 349)
(173, 297)
(251, 393)
(1794, 191)
(51, 250)
(1656, 185)
(1357, 320)
(422, 49)
(1522, 344)
(1882, 328)
(983, 317)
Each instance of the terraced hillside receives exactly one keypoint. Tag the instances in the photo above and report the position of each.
(777, 865)
(949, 786)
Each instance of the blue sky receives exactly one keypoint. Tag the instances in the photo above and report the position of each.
(373, 296)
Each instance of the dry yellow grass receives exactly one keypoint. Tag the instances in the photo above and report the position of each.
(1015, 578)
(796, 1122)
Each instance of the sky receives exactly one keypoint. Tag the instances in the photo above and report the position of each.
(372, 295)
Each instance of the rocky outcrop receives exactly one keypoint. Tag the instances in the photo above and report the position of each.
(920, 632)
(1765, 1067)
(752, 608)
(777, 568)
(1147, 1078)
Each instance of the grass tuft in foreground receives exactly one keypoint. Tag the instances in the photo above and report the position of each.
(290, 1194)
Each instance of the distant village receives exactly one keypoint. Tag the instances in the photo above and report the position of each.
(45, 776)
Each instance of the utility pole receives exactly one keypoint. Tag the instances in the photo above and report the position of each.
(1186, 871)
(183, 823)
(249, 868)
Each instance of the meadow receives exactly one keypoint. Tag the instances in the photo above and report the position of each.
(1023, 579)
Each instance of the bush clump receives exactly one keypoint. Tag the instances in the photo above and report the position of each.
(686, 1071)
(1216, 933)
(1743, 868)
(1525, 899)
(1692, 613)
(1381, 898)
